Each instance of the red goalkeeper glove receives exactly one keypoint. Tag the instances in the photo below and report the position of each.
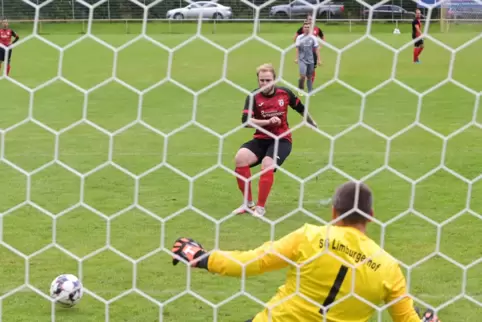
(189, 250)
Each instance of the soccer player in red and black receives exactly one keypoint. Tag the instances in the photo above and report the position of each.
(416, 32)
(6, 35)
(267, 109)
(317, 32)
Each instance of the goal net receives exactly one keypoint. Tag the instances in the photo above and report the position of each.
(119, 127)
(460, 12)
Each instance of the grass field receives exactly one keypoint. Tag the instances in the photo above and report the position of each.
(111, 133)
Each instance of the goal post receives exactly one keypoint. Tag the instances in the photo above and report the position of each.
(444, 27)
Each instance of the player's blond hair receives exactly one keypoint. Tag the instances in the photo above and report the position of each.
(266, 68)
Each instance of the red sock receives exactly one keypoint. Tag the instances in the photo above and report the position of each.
(419, 51)
(8, 69)
(265, 184)
(313, 76)
(415, 54)
(244, 172)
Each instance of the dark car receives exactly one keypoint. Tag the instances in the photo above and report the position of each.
(389, 12)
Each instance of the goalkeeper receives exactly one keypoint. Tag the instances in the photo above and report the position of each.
(322, 277)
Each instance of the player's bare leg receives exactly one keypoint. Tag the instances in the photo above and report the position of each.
(8, 67)
(309, 82)
(243, 159)
(301, 83)
(265, 183)
(312, 78)
(313, 73)
(7, 62)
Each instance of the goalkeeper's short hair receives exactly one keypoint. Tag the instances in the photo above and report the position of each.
(344, 202)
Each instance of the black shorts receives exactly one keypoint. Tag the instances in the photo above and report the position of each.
(3, 54)
(418, 43)
(265, 147)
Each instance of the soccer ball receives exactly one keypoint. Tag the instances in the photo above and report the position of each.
(66, 290)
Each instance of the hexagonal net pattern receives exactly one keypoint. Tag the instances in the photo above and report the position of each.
(166, 138)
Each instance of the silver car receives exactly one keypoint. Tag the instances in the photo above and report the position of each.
(207, 9)
(302, 8)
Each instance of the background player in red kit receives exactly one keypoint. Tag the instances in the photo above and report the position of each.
(416, 32)
(269, 111)
(317, 32)
(6, 35)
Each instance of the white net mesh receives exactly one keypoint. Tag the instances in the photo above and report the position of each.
(159, 289)
(466, 11)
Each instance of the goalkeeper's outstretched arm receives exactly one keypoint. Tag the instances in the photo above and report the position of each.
(402, 309)
(268, 257)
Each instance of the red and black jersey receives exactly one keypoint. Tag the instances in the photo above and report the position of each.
(265, 107)
(6, 36)
(415, 33)
(317, 32)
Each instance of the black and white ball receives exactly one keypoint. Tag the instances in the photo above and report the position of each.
(66, 290)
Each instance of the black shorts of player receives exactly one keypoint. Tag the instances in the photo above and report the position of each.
(265, 147)
(418, 43)
(3, 53)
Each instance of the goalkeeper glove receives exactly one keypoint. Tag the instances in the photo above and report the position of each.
(428, 316)
(189, 250)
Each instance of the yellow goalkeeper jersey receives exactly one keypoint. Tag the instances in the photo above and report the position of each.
(332, 260)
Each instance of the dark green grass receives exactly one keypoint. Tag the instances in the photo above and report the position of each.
(165, 191)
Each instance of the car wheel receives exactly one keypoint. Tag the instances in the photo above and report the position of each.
(178, 16)
(217, 15)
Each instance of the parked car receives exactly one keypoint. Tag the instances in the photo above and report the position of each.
(469, 10)
(208, 10)
(297, 9)
(389, 11)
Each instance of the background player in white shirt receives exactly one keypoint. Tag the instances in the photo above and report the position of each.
(306, 43)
